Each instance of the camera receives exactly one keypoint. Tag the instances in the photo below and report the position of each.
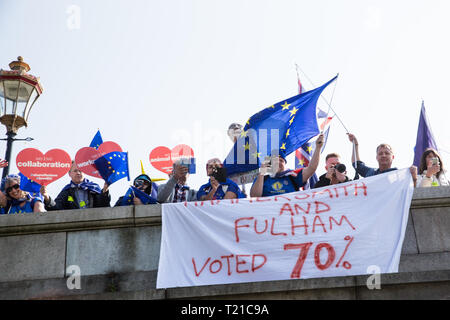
(340, 167)
(269, 167)
(220, 174)
(434, 161)
(188, 163)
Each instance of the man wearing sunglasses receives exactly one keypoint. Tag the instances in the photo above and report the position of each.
(81, 193)
(144, 184)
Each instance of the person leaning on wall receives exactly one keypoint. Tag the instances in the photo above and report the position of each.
(431, 170)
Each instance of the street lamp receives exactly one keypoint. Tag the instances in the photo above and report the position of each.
(18, 93)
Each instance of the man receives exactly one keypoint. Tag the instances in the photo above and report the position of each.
(234, 131)
(143, 183)
(81, 193)
(336, 172)
(176, 190)
(218, 187)
(284, 180)
(385, 156)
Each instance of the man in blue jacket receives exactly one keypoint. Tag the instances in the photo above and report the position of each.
(284, 180)
(218, 187)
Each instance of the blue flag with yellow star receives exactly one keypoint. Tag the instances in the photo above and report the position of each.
(281, 128)
(96, 141)
(113, 166)
(135, 192)
(29, 185)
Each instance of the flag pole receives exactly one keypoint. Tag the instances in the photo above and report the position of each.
(300, 87)
(329, 105)
(332, 96)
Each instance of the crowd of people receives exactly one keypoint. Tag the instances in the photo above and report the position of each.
(274, 178)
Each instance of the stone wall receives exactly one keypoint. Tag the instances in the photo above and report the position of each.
(117, 250)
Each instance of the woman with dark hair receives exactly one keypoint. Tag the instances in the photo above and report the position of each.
(431, 170)
(15, 200)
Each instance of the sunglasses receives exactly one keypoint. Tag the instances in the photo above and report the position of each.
(139, 183)
(9, 189)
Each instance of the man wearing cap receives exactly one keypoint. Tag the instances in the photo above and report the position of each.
(144, 184)
(283, 180)
(81, 193)
(176, 190)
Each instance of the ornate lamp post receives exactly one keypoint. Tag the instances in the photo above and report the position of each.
(18, 93)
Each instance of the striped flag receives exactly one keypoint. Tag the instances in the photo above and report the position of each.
(304, 153)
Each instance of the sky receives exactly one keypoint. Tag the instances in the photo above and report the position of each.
(162, 73)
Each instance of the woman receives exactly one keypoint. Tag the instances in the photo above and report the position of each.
(431, 170)
(15, 200)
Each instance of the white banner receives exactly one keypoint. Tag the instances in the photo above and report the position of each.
(333, 231)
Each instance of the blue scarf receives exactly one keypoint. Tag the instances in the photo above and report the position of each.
(85, 185)
(18, 202)
(135, 192)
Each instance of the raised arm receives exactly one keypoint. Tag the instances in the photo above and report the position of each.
(355, 148)
(314, 163)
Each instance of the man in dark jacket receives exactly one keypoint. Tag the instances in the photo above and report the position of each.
(336, 172)
(81, 193)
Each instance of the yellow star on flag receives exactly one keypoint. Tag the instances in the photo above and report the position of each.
(292, 120)
(285, 105)
(247, 146)
(244, 133)
(309, 149)
(287, 132)
(301, 162)
(256, 154)
(283, 146)
(293, 111)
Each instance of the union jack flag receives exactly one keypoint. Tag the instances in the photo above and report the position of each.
(304, 153)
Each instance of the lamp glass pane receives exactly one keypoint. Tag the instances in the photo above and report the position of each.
(11, 90)
(25, 91)
(2, 99)
(33, 97)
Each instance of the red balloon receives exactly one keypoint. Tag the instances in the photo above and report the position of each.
(86, 156)
(109, 146)
(161, 159)
(43, 168)
(84, 160)
(182, 151)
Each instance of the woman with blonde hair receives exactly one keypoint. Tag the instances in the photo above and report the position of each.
(431, 170)
(15, 200)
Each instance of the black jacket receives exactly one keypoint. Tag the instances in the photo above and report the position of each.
(67, 200)
(323, 181)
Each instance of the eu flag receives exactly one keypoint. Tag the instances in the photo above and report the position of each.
(29, 185)
(424, 137)
(96, 141)
(135, 192)
(281, 128)
(113, 166)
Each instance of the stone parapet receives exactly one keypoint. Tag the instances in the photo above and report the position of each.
(117, 250)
